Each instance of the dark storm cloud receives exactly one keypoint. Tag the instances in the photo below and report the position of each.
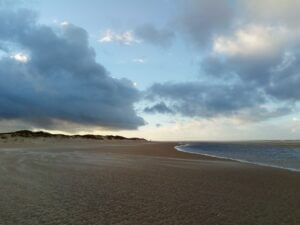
(158, 108)
(60, 79)
(152, 35)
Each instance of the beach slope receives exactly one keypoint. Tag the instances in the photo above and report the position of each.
(48, 181)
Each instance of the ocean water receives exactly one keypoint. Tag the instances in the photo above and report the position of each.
(285, 155)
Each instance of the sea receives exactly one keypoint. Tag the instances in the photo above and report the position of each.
(279, 154)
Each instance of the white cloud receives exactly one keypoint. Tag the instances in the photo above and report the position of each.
(64, 23)
(139, 60)
(20, 57)
(126, 37)
(252, 39)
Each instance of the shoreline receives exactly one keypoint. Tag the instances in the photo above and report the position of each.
(236, 160)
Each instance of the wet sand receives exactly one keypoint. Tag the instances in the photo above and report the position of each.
(138, 183)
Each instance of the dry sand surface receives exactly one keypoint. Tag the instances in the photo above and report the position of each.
(47, 181)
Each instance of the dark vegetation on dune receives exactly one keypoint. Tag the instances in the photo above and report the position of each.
(42, 134)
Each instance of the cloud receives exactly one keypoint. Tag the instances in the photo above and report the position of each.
(272, 12)
(207, 101)
(159, 108)
(20, 57)
(195, 99)
(144, 33)
(154, 36)
(201, 20)
(296, 119)
(9, 3)
(127, 37)
(139, 60)
(58, 80)
(264, 57)
(250, 69)
(253, 39)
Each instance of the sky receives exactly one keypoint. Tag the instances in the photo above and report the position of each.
(158, 69)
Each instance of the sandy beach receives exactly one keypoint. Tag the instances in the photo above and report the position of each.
(48, 181)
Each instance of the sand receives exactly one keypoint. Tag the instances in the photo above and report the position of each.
(59, 182)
